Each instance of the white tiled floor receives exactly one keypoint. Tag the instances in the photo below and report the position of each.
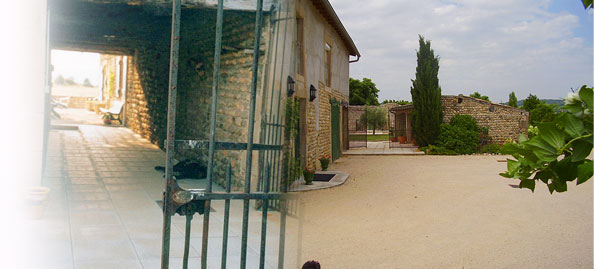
(102, 211)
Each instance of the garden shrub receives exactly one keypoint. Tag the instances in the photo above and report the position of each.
(461, 135)
(435, 150)
(491, 148)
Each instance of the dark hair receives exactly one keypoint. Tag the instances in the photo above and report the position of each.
(311, 265)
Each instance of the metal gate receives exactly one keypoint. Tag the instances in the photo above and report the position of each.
(188, 202)
(357, 129)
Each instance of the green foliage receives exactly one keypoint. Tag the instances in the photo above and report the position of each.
(374, 118)
(557, 151)
(400, 102)
(291, 164)
(426, 96)
(542, 113)
(490, 148)
(513, 100)
(587, 3)
(461, 135)
(479, 96)
(531, 102)
(435, 150)
(363, 92)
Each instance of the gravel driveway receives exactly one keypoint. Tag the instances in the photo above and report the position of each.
(444, 212)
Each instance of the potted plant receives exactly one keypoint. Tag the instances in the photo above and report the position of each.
(106, 119)
(392, 137)
(308, 175)
(401, 136)
(324, 161)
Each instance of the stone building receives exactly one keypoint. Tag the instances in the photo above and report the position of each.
(504, 122)
(323, 51)
(304, 41)
(138, 36)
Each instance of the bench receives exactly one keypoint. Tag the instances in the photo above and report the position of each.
(114, 112)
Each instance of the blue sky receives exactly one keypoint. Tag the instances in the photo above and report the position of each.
(542, 47)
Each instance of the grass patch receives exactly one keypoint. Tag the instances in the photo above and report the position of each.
(370, 138)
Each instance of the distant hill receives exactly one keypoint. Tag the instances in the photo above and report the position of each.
(548, 101)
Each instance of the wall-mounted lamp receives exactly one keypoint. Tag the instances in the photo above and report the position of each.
(290, 86)
(312, 93)
(344, 103)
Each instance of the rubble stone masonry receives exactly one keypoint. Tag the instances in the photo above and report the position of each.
(504, 122)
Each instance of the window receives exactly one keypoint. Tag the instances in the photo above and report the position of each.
(299, 54)
(327, 64)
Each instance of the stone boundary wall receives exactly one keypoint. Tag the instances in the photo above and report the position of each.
(504, 122)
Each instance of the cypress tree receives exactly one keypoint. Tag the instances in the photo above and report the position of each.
(513, 101)
(426, 96)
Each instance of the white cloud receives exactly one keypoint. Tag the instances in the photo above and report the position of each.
(489, 46)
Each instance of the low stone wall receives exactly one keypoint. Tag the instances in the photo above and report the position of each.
(504, 122)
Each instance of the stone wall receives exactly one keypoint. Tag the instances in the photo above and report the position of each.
(504, 122)
(319, 141)
(355, 113)
(195, 79)
(144, 34)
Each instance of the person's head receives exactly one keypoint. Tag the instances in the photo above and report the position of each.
(311, 265)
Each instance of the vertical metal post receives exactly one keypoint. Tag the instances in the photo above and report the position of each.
(187, 240)
(226, 218)
(213, 126)
(277, 134)
(264, 217)
(170, 182)
(250, 142)
(47, 93)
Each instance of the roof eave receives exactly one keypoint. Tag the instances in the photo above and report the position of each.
(326, 9)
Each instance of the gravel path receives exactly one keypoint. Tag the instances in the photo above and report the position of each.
(444, 212)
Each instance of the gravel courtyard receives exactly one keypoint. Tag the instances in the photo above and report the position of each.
(444, 212)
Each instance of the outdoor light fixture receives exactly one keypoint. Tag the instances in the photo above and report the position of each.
(344, 103)
(290, 86)
(312, 92)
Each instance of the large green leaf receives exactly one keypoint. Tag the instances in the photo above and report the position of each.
(586, 96)
(544, 176)
(572, 125)
(565, 169)
(542, 149)
(560, 185)
(584, 172)
(573, 108)
(529, 184)
(552, 135)
(581, 150)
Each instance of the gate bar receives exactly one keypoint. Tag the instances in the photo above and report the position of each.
(213, 127)
(170, 182)
(276, 155)
(187, 240)
(264, 217)
(226, 218)
(248, 171)
(265, 136)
